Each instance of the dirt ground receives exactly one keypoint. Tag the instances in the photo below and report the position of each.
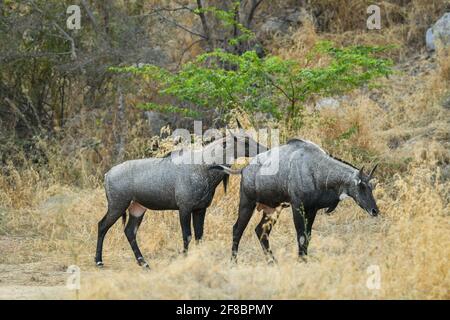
(37, 280)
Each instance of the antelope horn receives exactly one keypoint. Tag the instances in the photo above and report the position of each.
(239, 124)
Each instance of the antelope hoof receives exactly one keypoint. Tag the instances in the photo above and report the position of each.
(303, 258)
(143, 263)
(99, 264)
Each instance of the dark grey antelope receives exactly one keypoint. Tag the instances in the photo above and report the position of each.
(308, 178)
(169, 183)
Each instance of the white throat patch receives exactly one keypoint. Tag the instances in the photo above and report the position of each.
(343, 196)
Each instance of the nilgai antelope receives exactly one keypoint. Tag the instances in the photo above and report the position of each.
(308, 178)
(170, 183)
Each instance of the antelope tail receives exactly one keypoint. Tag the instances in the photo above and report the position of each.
(226, 169)
(226, 178)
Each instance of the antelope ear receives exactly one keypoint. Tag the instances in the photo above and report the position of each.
(372, 171)
(357, 181)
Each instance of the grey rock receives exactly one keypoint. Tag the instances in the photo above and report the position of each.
(294, 17)
(429, 40)
(291, 18)
(446, 101)
(440, 33)
(274, 25)
(155, 121)
(331, 103)
(445, 173)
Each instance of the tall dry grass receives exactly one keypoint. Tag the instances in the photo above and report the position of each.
(409, 242)
(403, 26)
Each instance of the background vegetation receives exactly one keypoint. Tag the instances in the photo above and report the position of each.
(65, 119)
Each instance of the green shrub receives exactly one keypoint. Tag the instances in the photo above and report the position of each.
(225, 81)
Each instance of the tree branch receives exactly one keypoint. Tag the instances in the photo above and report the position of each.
(186, 50)
(254, 5)
(64, 33)
(202, 16)
(272, 82)
(182, 27)
(90, 14)
(70, 39)
(21, 115)
(17, 56)
(161, 9)
(237, 7)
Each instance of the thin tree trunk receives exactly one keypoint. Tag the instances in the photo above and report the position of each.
(62, 92)
(205, 26)
(121, 128)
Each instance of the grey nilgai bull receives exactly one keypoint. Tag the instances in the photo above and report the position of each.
(308, 178)
(169, 183)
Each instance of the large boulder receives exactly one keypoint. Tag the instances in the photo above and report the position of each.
(274, 25)
(291, 18)
(328, 103)
(429, 40)
(446, 101)
(439, 33)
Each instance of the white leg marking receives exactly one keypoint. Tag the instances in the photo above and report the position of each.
(302, 240)
(343, 196)
(136, 209)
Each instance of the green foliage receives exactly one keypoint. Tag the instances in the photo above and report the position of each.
(228, 20)
(225, 81)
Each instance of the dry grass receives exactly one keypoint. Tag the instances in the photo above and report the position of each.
(403, 25)
(410, 241)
